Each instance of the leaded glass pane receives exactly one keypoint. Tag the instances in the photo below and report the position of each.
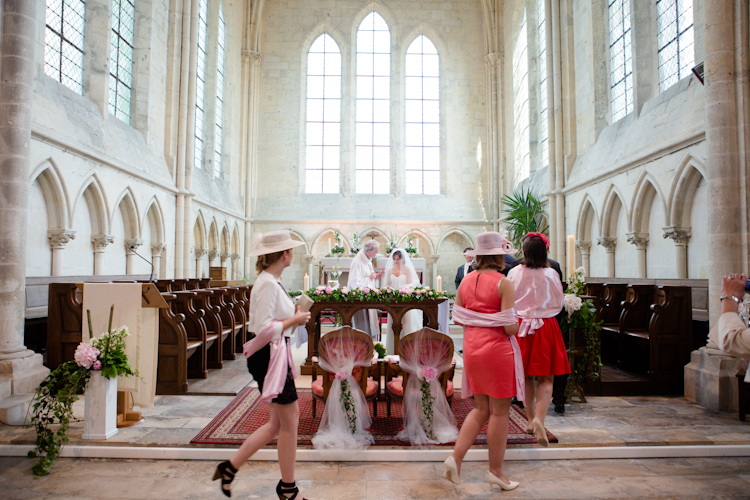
(521, 115)
(63, 40)
(675, 40)
(621, 62)
(200, 80)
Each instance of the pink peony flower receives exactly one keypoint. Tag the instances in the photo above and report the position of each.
(345, 291)
(329, 290)
(421, 291)
(321, 287)
(97, 365)
(430, 293)
(376, 290)
(318, 292)
(403, 290)
(341, 375)
(426, 287)
(365, 290)
(85, 355)
(428, 373)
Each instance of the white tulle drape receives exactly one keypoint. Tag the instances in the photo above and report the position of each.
(340, 355)
(425, 356)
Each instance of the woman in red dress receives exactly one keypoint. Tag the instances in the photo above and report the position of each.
(489, 362)
(539, 299)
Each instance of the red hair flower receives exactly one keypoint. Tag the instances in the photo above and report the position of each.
(540, 235)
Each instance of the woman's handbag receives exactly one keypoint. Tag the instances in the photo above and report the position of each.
(257, 364)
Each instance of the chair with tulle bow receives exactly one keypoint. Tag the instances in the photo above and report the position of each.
(425, 347)
(339, 347)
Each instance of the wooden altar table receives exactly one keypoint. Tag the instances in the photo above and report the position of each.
(347, 311)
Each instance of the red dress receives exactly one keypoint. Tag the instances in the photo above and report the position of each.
(488, 355)
(544, 352)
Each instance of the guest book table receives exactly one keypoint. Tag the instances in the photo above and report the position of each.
(347, 310)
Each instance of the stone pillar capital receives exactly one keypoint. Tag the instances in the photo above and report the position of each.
(234, 256)
(223, 256)
(640, 240)
(680, 235)
(434, 257)
(309, 257)
(492, 59)
(608, 242)
(212, 254)
(58, 238)
(200, 253)
(132, 244)
(584, 246)
(101, 241)
(157, 249)
(255, 58)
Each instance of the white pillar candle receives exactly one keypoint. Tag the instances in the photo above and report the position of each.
(571, 254)
(306, 285)
(329, 245)
(439, 283)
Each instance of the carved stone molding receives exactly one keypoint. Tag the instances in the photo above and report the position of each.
(608, 242)
(157, 249)
(200, 253)
(309, 257)
(212, 254)
(101, 241)
(492, 59)
(58, 238)
(254, 57)
(584, 247)
(234, 256)
(640, 240)
(680, 235)
(135, 243)
(434, 257)
(224, 256)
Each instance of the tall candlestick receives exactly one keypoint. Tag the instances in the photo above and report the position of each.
(571, 254)
(306, 285)
(329, 245)
(439, 284)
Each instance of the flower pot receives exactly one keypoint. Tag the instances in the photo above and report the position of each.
(100, 407)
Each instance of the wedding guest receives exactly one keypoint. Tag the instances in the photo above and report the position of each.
(492, 360)
(272, 318)
(363, 275)
(539, 298)
(465, 268)
(730, 334)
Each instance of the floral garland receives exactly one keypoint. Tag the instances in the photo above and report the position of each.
(384, 295)
(347, 401)
(427, 374)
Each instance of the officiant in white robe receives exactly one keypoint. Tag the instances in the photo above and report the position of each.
(362, 275)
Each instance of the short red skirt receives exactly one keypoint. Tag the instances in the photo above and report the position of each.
(544, 352)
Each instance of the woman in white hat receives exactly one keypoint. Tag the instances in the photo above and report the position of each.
(485, 306)
(272, 318)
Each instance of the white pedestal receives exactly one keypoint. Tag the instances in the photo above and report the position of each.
(100, 408)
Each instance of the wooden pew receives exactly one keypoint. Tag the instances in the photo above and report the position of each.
(64, 324)
(218, 299)
(634, 324)
(196, 331)
(240, 317)
(670, 337)
(175, 350)
(214, 325)
(608, 311)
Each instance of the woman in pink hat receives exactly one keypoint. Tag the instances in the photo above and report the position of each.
(492, 366)
(539, 298)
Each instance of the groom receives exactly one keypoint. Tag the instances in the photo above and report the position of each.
(363, 275)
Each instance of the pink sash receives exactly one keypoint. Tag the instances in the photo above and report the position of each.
(488, 320)
(529, 326)
(280, 361)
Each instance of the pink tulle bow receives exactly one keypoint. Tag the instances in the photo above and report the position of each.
(429, 373)
(341, 375)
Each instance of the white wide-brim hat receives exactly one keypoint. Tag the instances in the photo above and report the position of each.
(272, 242)
(491, 243)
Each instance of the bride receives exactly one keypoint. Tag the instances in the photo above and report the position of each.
(400, 273)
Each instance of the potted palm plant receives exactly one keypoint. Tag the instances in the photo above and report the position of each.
(524, 214)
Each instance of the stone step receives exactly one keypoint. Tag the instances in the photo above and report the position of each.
(13, 409)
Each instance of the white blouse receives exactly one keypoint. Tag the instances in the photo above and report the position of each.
(269, 302)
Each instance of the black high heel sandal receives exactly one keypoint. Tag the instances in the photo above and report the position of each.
(292, 488)
(224, 470)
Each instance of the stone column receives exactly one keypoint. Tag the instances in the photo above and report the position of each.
(156, 250)
(58, 238)
(253, 61)
(212, 256)
(100, 242)
(640, 240)
(199, 254)
(21, 370)
(131, 246)
(645, 72)
(609, 243)
(680, 236)
(434, 259)
(235, 258)
(585, 248)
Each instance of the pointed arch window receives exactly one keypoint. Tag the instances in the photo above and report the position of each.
(521, 104)
(422, 117)
(121, 59)
(676, 41)
(218, 122)
(63, 42)
(621, 58)
(200, 87)
(323, 137)
(373, 106)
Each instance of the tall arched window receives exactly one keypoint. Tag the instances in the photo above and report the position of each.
(373, 136)
(521, 104)
(63, 42)
(676, 41)
(323, 138)
(422, 118)
(200, 87)
(621, 58)
(220, 55)
(121, 59)
(544, 125)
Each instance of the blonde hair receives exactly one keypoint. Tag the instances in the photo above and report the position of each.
(265, 261)
(496, 262)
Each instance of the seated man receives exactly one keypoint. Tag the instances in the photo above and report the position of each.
(731, 335)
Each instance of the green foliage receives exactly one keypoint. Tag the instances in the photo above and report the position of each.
(427, 400)
(381, 295)
(112, 354)
(585, 319)
(524, 214)
(380, 349)
(53, 406)
(348, 402)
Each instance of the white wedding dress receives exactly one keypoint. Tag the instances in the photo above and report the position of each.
(412, 320)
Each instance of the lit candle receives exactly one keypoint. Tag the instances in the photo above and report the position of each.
(439, 284)
(571, 254)
(306, 286)
(329, 245)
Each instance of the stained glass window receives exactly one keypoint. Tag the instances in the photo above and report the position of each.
(521, 104)
(543, 114)
(621, 58)
(200, 88)
(422, 117)
(220, 55)
(323, 138)
(63, 42)
(373, 107)
(676, 40)
(121, 59)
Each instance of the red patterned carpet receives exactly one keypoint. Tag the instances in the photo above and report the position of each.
(246, 413)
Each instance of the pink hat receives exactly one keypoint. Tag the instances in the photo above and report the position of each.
(492, 243)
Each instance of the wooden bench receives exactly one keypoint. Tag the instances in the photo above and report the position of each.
(196, 331)
(240, 317)
(670, 336)
(608, 311)
(214, 324)
(175, 350)
(634, 321)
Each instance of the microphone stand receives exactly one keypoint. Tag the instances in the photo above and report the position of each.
(151, 277)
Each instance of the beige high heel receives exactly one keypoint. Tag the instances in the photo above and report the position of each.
(493, 479)
(540, 433)
(451, 470)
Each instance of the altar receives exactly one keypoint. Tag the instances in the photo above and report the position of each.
(378, 263)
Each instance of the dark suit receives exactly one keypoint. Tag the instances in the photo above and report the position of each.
(460, 274)
(510, 263)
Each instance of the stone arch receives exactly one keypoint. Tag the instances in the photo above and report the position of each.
(681, 194)
(56, 197)
(126, 204)
(155, 218)
(646, 190)
(225, 240)
(213, 236)
(431, 34)
(382, 10)
(492, 25)
(93, 195)
(200, 236)
(586, 217)
(460, 232)
(301, 238)
(613, 203)
(422, 235)
(320, 235)
(236, 239)
(324, 28)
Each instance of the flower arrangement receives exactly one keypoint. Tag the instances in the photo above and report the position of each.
(54, 398)
(380, 349)
(391, 245)
(338, 248)
(427, 374)
(336, 272)
(384, 295)
(410, 249)
(347, 401)
(356, 241)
